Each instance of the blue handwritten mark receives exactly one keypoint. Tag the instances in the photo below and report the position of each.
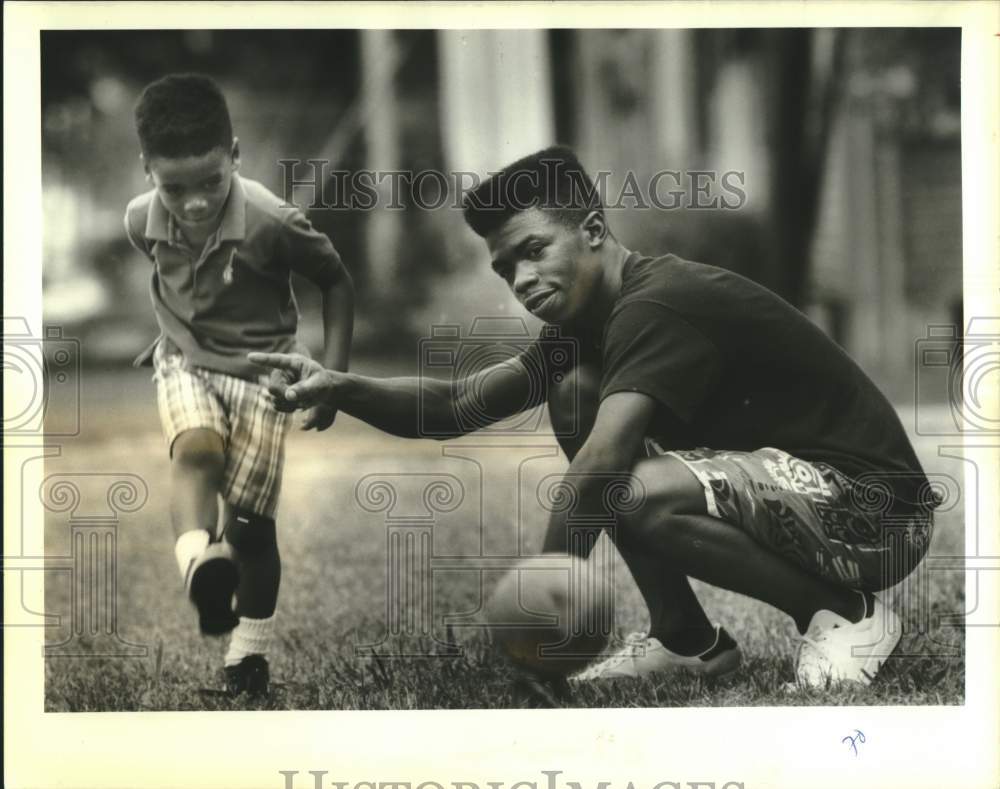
(859, 736)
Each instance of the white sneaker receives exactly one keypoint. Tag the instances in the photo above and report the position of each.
(836, 650)
(642, 656)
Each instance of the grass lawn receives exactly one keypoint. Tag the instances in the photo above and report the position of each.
(334, 597)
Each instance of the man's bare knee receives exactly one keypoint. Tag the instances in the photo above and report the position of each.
(661, 488)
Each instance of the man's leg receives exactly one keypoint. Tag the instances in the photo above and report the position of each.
(674, 525)
(676, 617)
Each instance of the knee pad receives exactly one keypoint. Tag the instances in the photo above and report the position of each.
(251, 534)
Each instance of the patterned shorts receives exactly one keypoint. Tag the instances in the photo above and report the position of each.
(809, 513)
(252, 432)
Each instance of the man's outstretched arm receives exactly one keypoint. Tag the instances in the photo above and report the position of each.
(412, 407)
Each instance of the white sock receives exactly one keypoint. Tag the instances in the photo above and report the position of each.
(190, 546)
(250, 637)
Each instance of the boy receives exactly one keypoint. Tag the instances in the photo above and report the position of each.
(222, 249)
(761, 458)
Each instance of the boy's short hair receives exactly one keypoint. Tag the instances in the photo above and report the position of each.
(551, 179)
(182, 115)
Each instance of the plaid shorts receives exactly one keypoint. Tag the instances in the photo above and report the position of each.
(810, 513)
(252, 432)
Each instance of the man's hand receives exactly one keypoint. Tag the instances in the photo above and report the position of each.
(299, 383)
(279, 381)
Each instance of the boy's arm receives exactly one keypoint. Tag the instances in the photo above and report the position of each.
(338, 327)
(311, 254)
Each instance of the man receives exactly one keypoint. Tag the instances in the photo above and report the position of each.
(757, 445)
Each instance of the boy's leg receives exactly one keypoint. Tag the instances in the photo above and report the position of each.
(195, 427)
(251, 484)
(254, 537)
(209, 570)
(196, 465)
(675, 615)
(254, 540)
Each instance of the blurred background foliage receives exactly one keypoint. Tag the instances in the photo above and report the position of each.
(848, 142)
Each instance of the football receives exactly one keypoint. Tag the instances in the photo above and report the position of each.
(552, 614)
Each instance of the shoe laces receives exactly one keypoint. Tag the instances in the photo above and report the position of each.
(812, 647)
(634, 643)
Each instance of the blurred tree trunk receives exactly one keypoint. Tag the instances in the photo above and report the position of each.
(383, 229)
(804, 70)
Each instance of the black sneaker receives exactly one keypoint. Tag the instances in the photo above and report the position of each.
(251, 676)
(211, 582)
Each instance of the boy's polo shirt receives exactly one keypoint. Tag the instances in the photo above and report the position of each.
(234, 296)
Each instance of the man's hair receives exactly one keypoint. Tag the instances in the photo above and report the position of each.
(182, 115)
(551, 179)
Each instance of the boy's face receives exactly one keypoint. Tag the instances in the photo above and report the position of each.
(549, 266)
(194, 188)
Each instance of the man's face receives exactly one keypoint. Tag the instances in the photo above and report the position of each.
(194, 188)
(549, 266)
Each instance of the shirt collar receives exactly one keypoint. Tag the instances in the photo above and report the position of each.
(157, 221)
(234, 221)
(160, 225)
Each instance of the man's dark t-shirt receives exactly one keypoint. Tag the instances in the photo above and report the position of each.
(733, 366)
